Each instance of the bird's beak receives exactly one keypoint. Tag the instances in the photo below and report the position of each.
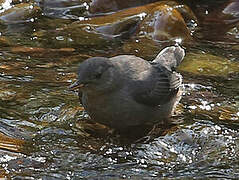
(76, 85)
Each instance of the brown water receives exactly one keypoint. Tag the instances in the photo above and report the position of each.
(39, 55)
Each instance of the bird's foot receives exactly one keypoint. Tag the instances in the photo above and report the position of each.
(89, 128)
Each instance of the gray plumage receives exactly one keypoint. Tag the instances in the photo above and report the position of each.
(126, 91)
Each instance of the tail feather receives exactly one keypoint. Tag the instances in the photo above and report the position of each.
(170, 57)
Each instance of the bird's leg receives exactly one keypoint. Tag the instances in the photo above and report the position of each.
(90, 128)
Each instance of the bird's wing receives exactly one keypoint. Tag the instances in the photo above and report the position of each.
(162, 87)
(163, 82)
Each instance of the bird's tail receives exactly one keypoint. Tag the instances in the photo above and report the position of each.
(170, 57)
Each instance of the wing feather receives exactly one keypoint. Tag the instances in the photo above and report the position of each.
(162, 88)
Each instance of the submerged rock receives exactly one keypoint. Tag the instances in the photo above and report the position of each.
(206, 102)
(208, 65)
(143, 47)
(20, 13)
(11, 144)
(4, 41)
(226, 14)
(42, 52)
(221, 24)
(6, 95)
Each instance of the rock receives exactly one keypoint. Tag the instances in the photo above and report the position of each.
(222, 23)
(41, 52)
(4, 41)
(24, 12)
(143, 47)
(10, 144)
(70, 9)
(122, 29)
(208, 65)
(3, 173)
(6, 95)
(165, 23)
(161, 20)
(227, 13)
(104, 6)
(233, 34)
(207, 103)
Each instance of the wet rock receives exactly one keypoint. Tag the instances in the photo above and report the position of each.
(10, 144)
(4, 41)
(206, 103)
(235, 47)
(233, 33)
(3, 173)
(70, 9)
(227, 13)
(112, 26)
(14, 2)
(123, 29)
(165, 23)
(161, 20)
(227, 113)
(120, 16)
(208, 65)
(42, 52)
(104, 6)
(186, 12)
(20, 13)
(57, 3)
(25, 163)
(143, 47)
(74, 59)
(221, 24)
(6, 95)
(82, 36)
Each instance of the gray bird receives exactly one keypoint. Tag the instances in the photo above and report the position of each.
(127, 91)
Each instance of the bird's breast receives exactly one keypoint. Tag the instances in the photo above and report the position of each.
(117, 110)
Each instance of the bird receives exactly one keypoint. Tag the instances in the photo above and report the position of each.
(126, 91)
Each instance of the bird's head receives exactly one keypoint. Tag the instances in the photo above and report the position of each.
(96, 75)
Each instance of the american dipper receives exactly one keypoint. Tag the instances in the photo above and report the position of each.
(127, 91)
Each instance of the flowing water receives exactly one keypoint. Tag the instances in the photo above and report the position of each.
(40, 49)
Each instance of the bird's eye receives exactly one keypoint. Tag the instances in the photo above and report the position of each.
(98, 75)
